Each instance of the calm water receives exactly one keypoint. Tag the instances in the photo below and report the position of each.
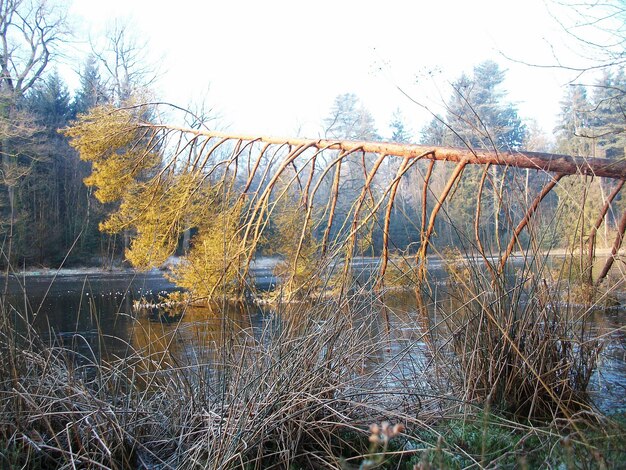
(93, 314)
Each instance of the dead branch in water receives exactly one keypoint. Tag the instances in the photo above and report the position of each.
(339, 190)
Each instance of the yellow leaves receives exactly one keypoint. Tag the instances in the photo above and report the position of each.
(102, 131)
(120, 149)
(211, 266)
(293, 240)
(150, 250)
(160, 211)
(159, 200)
(104, 173)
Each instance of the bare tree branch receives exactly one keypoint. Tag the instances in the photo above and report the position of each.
(29, 33)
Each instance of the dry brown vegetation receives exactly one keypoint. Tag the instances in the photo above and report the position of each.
(283, 394)
(506, 364)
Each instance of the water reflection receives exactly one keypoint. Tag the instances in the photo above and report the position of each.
(93, 315)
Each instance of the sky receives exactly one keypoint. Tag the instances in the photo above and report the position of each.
(275, 66)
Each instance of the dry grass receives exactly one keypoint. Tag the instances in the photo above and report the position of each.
(300, 389)
(518, 342)
(273, 395)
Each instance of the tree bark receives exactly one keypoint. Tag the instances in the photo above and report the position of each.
(554, 163)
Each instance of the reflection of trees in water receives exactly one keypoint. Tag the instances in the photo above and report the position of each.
(102, 326)
(195, 338)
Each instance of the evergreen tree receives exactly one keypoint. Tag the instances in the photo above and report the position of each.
(349, 119)
(608, 120)
(479, 116)
(400, 133)
(92, 91)
(436, 133)
(573, 131)
(608, 127)
(50, 101)
(43, 196)
(579, 197)
(57, 207)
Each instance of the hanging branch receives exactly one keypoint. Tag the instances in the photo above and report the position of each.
(333, 200)
(617, 244)
(256, 216)
(527, 216)
(425, 198)
(421, 254)
(479, 242)
(252, 173)
(591, 244)
(357, 209)
(387, 222)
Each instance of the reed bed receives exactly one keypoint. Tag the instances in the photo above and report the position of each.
(277, 394)
(495, 375)
(518, 342)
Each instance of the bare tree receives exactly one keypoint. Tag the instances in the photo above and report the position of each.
(29, 33)
(123, 58)
(598, 30)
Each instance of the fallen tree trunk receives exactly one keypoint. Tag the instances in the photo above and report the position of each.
(549, 162)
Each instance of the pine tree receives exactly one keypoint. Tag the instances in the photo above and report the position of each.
(92, 91)
(479, 116)
(400, 133)
(43, 195)
(349, 119)
(608, 121)
(579, 198)
(573, 131)
(436, 133)
(51, 102)
(61, 209)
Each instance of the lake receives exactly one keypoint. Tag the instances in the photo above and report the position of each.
(92, 313)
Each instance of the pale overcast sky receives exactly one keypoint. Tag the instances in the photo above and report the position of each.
(275, 66)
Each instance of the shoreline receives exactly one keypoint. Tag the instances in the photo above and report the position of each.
(261, 263)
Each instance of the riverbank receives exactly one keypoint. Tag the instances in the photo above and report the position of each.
(268, 263)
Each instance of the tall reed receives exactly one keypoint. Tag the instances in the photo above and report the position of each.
(518, 341)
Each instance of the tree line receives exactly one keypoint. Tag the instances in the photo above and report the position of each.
(479, 116)
(49, 216)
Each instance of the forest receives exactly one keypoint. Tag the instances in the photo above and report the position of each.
(448, 297)
(50, 216)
